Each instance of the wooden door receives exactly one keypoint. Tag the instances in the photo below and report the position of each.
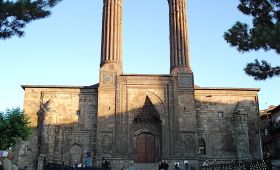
(145, 145)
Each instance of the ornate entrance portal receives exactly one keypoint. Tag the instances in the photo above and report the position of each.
(147, 128)
(145, 145)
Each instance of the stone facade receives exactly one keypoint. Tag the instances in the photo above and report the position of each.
(270, 132)
(140, 118)
(64, 123)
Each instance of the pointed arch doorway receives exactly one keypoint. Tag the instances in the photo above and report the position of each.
(147, 132)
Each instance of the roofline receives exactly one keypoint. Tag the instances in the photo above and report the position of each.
(159, 75)
(227, 88)
(95, 86)
(275, 108)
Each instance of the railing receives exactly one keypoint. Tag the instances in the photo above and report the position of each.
(275, 164)
(55, 166)
(252, 165)
(62, 166)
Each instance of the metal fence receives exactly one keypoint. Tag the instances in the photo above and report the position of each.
(275, 164)
(252, 165)
(56, 166)
(62, 166)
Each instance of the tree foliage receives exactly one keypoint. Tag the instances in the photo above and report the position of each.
(264, 34)
(13, 127)
(14, 15)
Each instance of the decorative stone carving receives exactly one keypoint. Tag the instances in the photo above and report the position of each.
(189, 143)
(185, 80)
(148, 113)
(75, 154)
(106, 142)
(107, 78)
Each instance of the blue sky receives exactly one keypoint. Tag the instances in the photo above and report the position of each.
(64, 49)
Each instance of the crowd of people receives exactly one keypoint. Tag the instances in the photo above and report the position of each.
(6, 158)
(163, 165)
(89, 163)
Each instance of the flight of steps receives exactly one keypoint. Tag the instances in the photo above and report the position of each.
(135, 166)
(144, 166)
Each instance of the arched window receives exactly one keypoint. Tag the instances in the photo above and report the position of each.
(201, 146)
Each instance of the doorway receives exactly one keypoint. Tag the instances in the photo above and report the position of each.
(145, 148)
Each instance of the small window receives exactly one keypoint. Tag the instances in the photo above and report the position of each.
(201, 146)
(221, 115)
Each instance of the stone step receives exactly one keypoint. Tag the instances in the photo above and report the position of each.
(144, 166)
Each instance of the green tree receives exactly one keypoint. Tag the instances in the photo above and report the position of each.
(13, 127)
(14, 15)
(263, 34)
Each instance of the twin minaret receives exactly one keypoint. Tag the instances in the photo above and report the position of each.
(111, 48)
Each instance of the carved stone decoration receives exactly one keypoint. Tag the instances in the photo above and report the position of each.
(121, 143)
(108, 79)
(75, 154)
(188, 142)
(106, 142)
(179, 148)
(185, 80)
(148, 113)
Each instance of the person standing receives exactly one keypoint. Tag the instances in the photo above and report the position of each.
(7, 162)
(165, 165)
(177, 165)
(205, 163)
(186, 163)
(89, 162)
(106, 164)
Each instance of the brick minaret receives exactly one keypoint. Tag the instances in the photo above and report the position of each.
(110, 69)
(179, 44)
(111, 47)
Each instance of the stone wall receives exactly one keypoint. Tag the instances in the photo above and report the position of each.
(64, 121)
(214, 110)
(176, 135)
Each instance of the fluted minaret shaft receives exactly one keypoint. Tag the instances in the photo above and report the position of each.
(179, 45)
(111, 47)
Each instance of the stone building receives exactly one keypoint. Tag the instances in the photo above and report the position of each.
(270, 128)
(141, 118)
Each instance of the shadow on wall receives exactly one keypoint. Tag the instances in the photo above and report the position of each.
(67, 128)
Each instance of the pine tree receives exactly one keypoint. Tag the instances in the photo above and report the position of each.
(264, 34)
(14, 15)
